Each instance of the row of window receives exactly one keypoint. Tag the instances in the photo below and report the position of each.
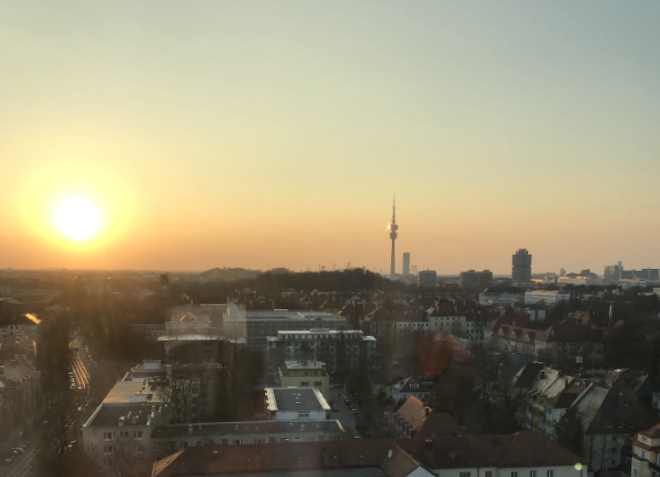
(110, 436)
(112, 449)
(489, 473)
(271, 440)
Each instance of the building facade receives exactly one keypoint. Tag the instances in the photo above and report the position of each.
(521, 269)
(340, 350)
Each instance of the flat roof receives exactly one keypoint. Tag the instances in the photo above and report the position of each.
(190, 337)
(129, 414)
(130, 391)
(293, 364)
(296, 399)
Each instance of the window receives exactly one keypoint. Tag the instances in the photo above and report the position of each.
(488, 473)
(634, 472)
(550, 473)
(514, 474)
(260, 441)
(124, 434)
(137, 434)
(108, 449)
(183, 445)
(108, 436)
(464, 474)
(643, 454)
(225, 442)
(140, 449)
(238, 442)
(107, 462)
(532, 473)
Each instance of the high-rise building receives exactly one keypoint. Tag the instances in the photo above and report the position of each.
(521, 270)
(393, 228)
(613, 273)
(406, 263)
(475, 281)
(428, 279)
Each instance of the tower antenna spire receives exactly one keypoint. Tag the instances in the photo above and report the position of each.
(393, 227)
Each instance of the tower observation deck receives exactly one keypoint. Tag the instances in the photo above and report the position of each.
(393, 227)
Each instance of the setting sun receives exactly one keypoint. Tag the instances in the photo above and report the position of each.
(78, 219)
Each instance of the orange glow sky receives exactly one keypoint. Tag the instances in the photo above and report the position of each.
(266, 134)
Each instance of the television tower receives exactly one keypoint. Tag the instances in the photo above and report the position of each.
(393, 228)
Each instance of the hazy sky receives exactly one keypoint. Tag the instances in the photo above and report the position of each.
(274, 133)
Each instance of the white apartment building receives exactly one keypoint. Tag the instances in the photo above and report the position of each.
(294, 404)
(546, 297)
(645, 460)
(119, 430)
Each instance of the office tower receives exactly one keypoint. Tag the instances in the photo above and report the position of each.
(393, 228)
(521, 271)
(428, 279)
(406, 263)
(613, 273)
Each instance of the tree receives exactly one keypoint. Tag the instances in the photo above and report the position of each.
(570, 432)
(180, 396)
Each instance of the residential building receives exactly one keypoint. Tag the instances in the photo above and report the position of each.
(523, 454)
(546, 297)
(408, 419)
(293, 404)
(168, 439)
(578, 337)
(645, 460)
(414, 386)
(502, 296)
(472, 281)
(118, 432)
(304, 374)
(339, 350)
(609, 415)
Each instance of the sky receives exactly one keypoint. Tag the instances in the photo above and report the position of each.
(275, 133)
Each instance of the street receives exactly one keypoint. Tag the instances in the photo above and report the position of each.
(345, 416)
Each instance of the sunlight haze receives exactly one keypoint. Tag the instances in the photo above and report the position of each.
(275, 134)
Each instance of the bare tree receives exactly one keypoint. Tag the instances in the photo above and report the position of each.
(180, 395)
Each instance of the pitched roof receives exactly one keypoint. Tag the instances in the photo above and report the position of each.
(215, 460)
(521, 449)
(413, 411)
(652, 432)
(399, 463)
(438, 424)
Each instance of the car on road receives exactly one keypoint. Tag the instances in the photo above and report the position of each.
(17, 450)
(10, 458)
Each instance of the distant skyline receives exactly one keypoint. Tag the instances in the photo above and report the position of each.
(267, 134)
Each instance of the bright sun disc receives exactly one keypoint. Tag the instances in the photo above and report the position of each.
(78, 219)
